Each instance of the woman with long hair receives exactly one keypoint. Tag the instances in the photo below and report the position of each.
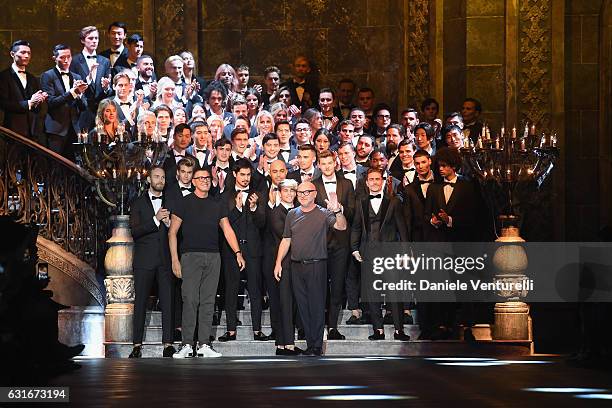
(166, 93)
(264, 123)
(227, 74)
(107, 120)
(254, 104)
(215, 128)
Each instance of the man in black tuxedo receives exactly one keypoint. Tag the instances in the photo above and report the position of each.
(247, 215)
(20, 94)
(404, 169)
(149, 222)
(222, 166)
(329, 186)
(379, 218)
(303, 92)
(146, 80)
(346, 93)
(96, 71)
(306, 158)
(379, 161)
(415, 197)
(135, 47)
(182, 139)
(470, 111)
(288, 152)
(116, 34)
(65, 102)
(269, 154)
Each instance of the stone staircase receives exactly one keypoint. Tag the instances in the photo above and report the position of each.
(356, 343)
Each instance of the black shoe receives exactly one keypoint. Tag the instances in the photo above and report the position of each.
(334, 334)
(354, 320)
(272, 336)
(238, 323)
(259, 336)
(295, 352)
(72, 351)
(317, 351)
(227, 337)
(301, 334)
(282, 352)
(468, 336)
(136, 352)
(400, 335)
(408, 319)
(169, 351)
(388, 319)
(377, 335)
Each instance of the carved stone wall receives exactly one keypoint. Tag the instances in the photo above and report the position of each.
(418, 44)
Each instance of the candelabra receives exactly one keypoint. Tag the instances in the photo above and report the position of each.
(502, 165)
(120, 166)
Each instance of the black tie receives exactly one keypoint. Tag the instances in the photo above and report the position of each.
(306, 174)
(201, 150)
(243, 191)
(448, 183)
(221, 169)
(157, 198)
(425, 181)
(299, 86)
(349, 172)
(185, 188)
(115, 52)
(91, 56)
(409, 170)
(330, 182)
(64, 73)
(375, 196)
(179, 155)
(21, 72)
(285, 150)
(125, 103)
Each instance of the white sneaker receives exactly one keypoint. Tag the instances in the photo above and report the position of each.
(185, 351)
(207, 352)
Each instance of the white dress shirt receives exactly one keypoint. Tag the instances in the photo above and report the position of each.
(351, 176)
(90, 62)
(21, 75)
(329, 186)
(376, 202)
(156, 206)
(113, 57)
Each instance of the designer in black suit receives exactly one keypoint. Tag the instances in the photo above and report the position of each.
(98, 87)
(337, 241)
(65, 102)
(379, 218)
(149, 222)
(246, 214)
(415, 195)
(20, 94)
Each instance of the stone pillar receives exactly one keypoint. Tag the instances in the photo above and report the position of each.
(119, 282)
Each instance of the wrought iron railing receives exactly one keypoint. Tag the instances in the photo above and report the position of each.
(40, 186)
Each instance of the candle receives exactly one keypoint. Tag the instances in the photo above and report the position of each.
(526, 131)
(479, 143)
(483, 134)
(497, 140)
(114, 173)
(502, 131)
(514, 132)
(553, 140)
(488, 133)
(138, 175)
(99, 138)
(543, 141)
(522, 144)
(533, 130)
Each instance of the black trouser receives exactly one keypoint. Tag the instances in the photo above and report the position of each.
(397, 310)
(336, 273)
(286, 335)
(63, 144)
(272, 287)
(353, 283)
(231, 274)
(143, 283)
(309, 287)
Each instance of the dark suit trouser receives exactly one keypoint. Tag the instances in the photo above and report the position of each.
(309, 287)
(143, 283)
(353, 283)
(397, 310)
(337, 260)
(286, 335)
(231, 274)
(63, 144)
(272, 287)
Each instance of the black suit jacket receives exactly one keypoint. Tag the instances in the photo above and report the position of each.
(63, 109)
(297, 175)
(461, 206)
(106, 54)
(346, 197)
(309, 87)
(121, 63)
(414, 213)
(392, 226)
(170, 166)
(151, 248)
(14, 102)
(94, 93)
(247, 224)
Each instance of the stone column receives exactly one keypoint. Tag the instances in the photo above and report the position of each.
(119, 282)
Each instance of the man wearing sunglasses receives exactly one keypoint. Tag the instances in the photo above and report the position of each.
(305, 232)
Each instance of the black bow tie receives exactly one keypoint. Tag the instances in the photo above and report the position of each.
(178, 155)
(243, 191)
(21, 72)
(274, 188)
(186, 189)
(299, 85)
(448, 183)
(285, 150)
(330, 182)
(306, 174)
(425, 181)
(91, 56)
(115, 52)
(201, 150)
(64, 73)
(222, 169)
(125, 103)
(349, 171)
(157, 198)
(375, 196)
(408, 170)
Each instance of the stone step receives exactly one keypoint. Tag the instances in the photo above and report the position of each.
(361, 348)
(153, 318)
(352, 332)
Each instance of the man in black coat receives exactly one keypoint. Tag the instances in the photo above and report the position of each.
(330, 185)
(20, 95)
(379, 218)
(246, 214)
(149, 222)
(65, 102)
(415, 197)
(304, 93)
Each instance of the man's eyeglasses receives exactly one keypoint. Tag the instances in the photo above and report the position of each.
(203, 178)
(305, 193)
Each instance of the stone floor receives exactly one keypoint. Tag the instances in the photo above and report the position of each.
(364, 381)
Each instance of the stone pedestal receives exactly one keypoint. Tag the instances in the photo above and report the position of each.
(511, 321)
(119, 282)
(82, 325)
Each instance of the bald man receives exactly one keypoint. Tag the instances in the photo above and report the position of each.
(306, 229)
